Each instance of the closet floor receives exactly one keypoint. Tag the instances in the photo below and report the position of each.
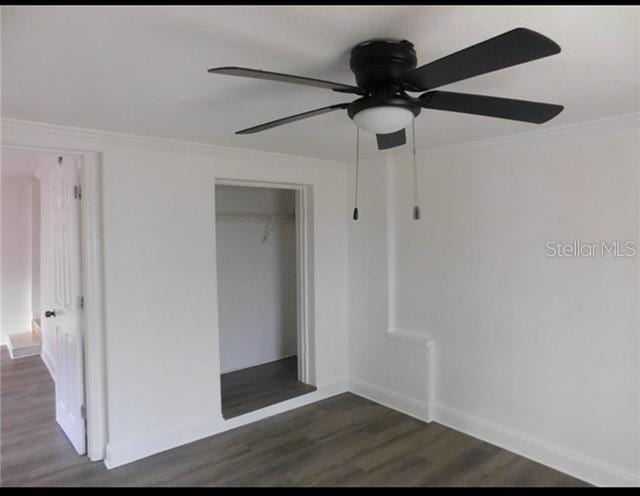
(256, 387)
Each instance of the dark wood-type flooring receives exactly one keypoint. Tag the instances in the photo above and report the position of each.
(253, 388)
(344, 440)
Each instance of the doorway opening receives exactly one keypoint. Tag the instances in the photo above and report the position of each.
(265, 355)
(20, 255)
(52, 283)
(42, 275)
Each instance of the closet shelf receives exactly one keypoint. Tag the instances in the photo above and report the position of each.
(255, 216)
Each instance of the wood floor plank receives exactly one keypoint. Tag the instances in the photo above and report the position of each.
(256, 387)
(345, 440)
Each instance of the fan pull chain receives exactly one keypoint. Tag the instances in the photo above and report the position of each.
(416, 207)
(355, 210)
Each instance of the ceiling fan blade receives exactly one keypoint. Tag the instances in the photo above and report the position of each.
(284, 78)
(491, 106)
(391, 140)
(508, 49)
(292, 118)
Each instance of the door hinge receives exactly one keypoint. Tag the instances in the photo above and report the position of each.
(81, 302)
(77, 193)
(83, 411)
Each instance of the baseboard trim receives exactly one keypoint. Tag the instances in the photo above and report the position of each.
(576, 465)
(391, 399)
(48, 363)
(121, 454)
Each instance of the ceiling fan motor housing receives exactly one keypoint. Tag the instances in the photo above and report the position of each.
(382, 62)
(379, 67)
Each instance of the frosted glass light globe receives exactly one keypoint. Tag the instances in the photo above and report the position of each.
(383, 120)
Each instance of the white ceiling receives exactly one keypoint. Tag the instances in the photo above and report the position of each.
(143, 70)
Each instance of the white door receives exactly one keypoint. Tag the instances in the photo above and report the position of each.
(65, 312)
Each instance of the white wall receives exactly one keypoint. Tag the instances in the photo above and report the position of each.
(256, 278)
(17, 215)
(35, 248)
(160, 278)
(537, 354)
(386, 364)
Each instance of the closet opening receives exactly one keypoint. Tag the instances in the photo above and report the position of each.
(262, 260)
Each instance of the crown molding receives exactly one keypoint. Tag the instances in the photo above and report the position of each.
(100, 136)
(595, 124)
(43, 128)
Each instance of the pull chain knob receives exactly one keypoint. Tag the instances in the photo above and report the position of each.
(355, 209)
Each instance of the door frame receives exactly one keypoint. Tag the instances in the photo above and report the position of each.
(93, 328)
(304, 269)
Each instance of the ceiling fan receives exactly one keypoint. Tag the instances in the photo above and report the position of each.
(385, 70)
